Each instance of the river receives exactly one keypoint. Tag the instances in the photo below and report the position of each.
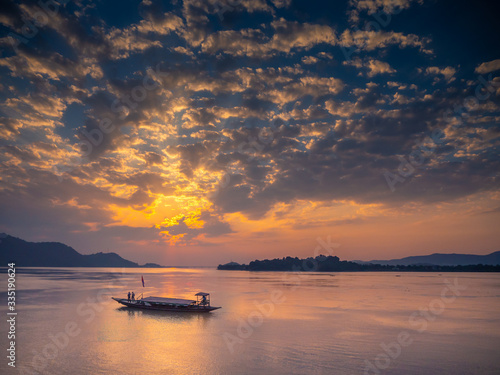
(270, 323)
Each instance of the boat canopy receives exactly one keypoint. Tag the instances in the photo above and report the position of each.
(174, 301)
(202, 294)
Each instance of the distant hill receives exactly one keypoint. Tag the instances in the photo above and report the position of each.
(151, 265)
(320, 263)
(55, 254)
(232, 266)
(441, 260)
(330, 263)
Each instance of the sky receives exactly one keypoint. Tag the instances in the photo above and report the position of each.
(199, 132)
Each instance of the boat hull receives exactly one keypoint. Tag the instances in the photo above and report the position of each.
(138, 304)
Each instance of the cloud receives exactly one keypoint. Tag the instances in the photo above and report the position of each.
(288, 36)
(309, 60)
(281, 3)
(313, 86)
(448, 72)
(488, 67)
(194, 228)
(374, 66)
(161, 25)
(196, 14)
(136, 38)
(123, 43)
(371, 40)
(373, 6)
(43, 64)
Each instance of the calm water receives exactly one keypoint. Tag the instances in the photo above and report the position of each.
(327, 323)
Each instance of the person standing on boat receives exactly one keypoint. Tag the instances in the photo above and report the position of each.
(133, 296)
(129, 296)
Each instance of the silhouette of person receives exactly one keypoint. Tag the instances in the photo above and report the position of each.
(133, 296)
(204, 300)
(129, 296)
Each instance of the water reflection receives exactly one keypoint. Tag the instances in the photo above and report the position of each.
(325, 323)
(169, 316)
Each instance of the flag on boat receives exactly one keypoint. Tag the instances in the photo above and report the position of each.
(142, 279)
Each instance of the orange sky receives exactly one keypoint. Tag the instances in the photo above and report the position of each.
(168, 134)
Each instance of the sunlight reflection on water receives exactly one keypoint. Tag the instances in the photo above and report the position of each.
(326, 323)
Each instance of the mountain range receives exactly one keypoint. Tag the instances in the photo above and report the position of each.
(441, 260)
(55, 254)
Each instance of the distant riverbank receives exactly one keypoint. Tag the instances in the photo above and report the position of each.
(56, 254)
(323, 263)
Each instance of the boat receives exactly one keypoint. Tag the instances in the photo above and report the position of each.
(201, 304)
